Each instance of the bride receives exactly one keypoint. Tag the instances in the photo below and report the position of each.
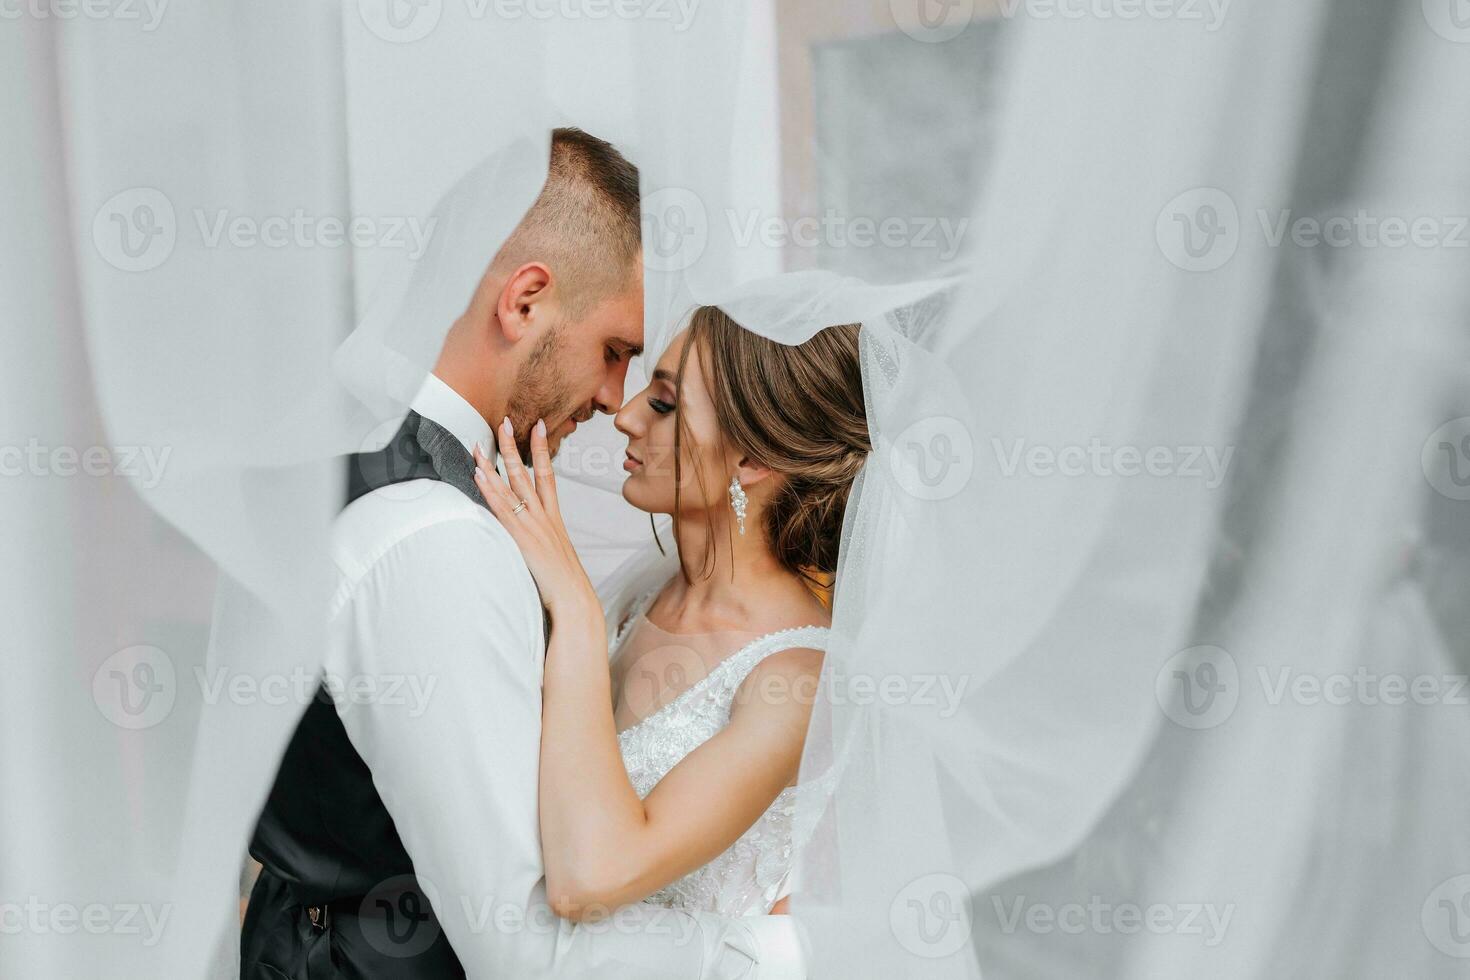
(667, 770)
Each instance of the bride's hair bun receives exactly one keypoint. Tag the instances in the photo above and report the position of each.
(799, 411)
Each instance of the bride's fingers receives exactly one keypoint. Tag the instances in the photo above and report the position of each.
(497, 495)
(515, 471)
(545, 477)
(500, 498)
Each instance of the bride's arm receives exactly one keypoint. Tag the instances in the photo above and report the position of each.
(603, 846)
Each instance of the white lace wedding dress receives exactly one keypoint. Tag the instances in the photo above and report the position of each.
(747, 878)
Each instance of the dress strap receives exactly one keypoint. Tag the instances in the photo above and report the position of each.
(739, 666)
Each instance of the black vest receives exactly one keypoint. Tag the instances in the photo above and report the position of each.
(336, 897)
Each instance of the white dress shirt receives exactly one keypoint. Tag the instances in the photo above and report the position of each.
(436, 625)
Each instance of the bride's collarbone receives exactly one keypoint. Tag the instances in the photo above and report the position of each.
(657, 671)
(768, 611)
(657, 666)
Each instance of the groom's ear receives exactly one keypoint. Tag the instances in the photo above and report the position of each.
(519, 306)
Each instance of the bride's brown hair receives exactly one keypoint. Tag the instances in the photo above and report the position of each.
(797, 410)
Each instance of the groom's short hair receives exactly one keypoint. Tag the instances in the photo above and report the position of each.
(585, 223)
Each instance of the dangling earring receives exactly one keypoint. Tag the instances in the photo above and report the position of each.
(738, 501)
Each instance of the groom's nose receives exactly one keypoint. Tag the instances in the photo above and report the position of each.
(609, 397)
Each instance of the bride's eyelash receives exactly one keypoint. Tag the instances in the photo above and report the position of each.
(660, 406)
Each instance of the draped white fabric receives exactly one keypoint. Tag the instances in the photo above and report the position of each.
(164, 384)
(1166, 492)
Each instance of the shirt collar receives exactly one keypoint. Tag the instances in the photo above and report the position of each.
(440, 403)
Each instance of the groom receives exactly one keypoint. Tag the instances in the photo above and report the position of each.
(405, 846)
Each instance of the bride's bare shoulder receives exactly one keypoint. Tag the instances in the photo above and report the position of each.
(786, 679)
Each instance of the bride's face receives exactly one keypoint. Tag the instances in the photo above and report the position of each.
(650, 419)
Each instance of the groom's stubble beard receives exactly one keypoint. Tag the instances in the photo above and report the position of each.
(540, 391)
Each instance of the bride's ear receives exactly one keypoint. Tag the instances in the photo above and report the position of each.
(750, 472)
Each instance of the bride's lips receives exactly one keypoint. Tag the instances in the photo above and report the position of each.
(632, 462)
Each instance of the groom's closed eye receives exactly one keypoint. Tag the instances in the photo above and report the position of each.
(618, 350)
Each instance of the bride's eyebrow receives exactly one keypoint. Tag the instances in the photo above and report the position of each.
(663, 374)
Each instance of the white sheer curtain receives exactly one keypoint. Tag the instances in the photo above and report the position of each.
(1128, 441)
(164, 386)
(1168, 829)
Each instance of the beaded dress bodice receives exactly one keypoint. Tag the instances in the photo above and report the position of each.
(746, 878)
